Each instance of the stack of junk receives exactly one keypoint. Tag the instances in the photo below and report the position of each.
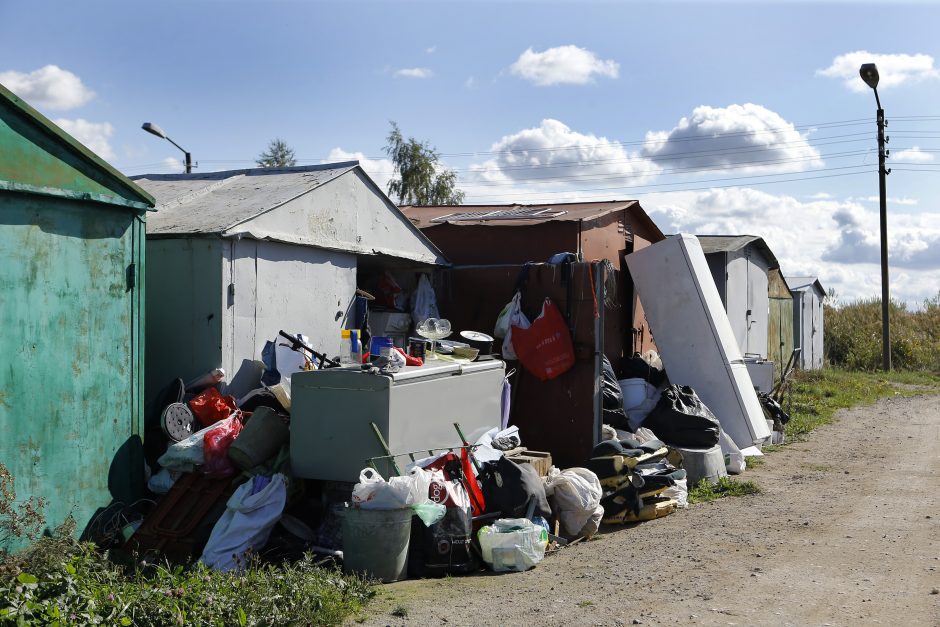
(400, 461)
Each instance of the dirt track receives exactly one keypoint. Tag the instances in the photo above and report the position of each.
(845, 532)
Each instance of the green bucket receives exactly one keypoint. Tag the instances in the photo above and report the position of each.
(375, 542)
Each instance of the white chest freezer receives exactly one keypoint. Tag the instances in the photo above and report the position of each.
(415, 410)
(692, 333)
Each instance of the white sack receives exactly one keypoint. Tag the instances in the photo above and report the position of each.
(246, 523)
(577, 495)
(679, 492)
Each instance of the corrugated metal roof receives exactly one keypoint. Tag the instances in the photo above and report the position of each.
(803, 283)
(732, 243)
(425, 216)
(214, 202)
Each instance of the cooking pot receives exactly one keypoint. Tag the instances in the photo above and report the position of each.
(478, 340)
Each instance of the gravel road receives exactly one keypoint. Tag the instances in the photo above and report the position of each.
(844, 532)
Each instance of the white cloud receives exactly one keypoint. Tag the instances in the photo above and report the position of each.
(563, 65)
(174, 165)
(49, 86)
(834, 240)
(554, 155)
(471, 83)
(430, 50)
(909, 202)
(894, 69)
(913, 154)
(748, 137)
(414, 72)
(380, 170)
(95, 135)
(821, 196)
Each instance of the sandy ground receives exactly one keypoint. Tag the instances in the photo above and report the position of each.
(845, 532)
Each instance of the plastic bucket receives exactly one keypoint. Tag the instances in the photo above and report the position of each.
(634, 392)
(375, 542)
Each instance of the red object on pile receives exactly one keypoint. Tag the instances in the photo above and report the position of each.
(215, 445)
(545, 348)
(209, 407)
(409, 360)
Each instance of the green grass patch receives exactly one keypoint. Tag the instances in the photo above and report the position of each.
(703, 491)
(58, 581)
(816, 395)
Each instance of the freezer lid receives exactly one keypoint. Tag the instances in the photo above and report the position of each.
(482, 366)
(434, 369)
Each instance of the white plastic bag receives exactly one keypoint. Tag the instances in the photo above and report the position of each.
(513, 318)
(374, 492)
(679, 492)
(161, 482)
(425, 302)
(734, 458)
(246, 524)
(185, 455)
(577, 496)
(512, 544)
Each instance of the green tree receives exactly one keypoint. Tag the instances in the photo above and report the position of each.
(278, 155)
(420, 178)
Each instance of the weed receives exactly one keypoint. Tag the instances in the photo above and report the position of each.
(400, 612)
(72, 583)
(703, 491)
(585, 603)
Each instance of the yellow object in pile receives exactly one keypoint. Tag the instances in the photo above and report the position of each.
(652, 509)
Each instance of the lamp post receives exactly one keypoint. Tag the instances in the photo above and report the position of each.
(869, 74)
(153, 129)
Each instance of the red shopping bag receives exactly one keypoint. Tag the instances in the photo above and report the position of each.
(545, 348)
(215, 445)
(210, 407)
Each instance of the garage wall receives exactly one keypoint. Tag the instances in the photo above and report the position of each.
(281, 286)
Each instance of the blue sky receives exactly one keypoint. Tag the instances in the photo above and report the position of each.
(719, 118)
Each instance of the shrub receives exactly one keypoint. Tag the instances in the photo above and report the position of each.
(853, 335)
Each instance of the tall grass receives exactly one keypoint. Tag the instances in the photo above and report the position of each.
(853, 335)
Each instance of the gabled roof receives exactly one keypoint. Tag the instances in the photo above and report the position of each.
(803, 283)
(521, 214)
(734, 243)
(214, 202)
(272, 204)
(38, 157)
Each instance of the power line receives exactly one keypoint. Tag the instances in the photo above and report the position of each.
(534, 195)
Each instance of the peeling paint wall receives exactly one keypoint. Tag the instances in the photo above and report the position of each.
(70, 337)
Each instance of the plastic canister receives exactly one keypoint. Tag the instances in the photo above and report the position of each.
(379, 344)
(345, 347)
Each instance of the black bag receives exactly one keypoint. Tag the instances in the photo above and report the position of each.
(612, 399)
(444, 547)
(680, 418)
(508, 488)
(636, 368)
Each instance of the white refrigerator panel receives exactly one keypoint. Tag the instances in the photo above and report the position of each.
(693, 334)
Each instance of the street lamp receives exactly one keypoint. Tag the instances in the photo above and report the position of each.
(153, 129)
(869, 74)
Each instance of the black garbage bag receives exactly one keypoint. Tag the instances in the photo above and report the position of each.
(444, 547)
(773, 410)
(680, 418)
(636, 368)
(612, 399)
(509, 487)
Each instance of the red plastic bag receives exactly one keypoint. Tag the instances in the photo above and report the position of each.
(545, 348)
(215, 445)
(210, 407)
